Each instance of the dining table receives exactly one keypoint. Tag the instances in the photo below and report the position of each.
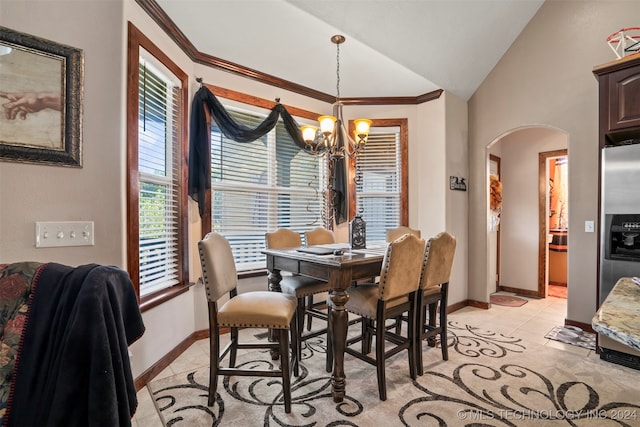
(340, 269)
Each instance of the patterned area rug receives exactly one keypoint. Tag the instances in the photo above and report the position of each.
(489, 380)
(507, 300)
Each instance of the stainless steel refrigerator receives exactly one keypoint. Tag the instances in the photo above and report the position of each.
(620, 216)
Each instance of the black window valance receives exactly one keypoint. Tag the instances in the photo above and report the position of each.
(199, 169)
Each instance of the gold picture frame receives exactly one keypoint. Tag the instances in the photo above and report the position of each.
(40, 100)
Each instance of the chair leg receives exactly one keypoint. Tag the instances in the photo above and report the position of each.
(309, 316)
(367, 337)
(443, 337)
(433, 307)
(443, 332)
(411, 336)
(214, 351)
(234, 347)
(364, 333)
(295, 346)
(380, 362)
(443, 321)
(419, 337)
(329, 359)
(283, 338)
(300, 309)
(398, 324)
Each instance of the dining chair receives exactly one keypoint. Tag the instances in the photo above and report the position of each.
(375, 303)
(299, 286)
(259, 309)
(391, 235)
(433, 292)
(317, 236)
(394, 233)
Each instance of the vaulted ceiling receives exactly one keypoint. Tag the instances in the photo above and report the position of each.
(393, 47)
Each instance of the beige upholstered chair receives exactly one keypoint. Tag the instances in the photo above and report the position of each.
(266, 309)
(434, 286)
(299, 286)
(393, 296)
(394, 233)
(283, 238)
(319, 236)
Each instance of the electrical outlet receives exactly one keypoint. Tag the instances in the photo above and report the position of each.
(51, 234)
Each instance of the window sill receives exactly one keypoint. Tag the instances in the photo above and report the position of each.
(154, 299)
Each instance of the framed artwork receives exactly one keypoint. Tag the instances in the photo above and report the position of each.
(40, 100)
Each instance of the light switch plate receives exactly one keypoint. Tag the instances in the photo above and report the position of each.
(50, 234)
(589, 227)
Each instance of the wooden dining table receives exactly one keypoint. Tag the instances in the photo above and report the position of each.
(340, 271)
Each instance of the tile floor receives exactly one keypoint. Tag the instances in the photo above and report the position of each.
(531, 322)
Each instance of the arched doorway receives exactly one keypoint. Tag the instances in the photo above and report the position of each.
(519, 253)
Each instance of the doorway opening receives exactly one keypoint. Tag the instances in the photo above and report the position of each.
(494, 184)
(518, 256)
(554, 225)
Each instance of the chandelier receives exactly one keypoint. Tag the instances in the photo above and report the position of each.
(330, 137)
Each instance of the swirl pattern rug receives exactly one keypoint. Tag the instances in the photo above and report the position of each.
(489, 380)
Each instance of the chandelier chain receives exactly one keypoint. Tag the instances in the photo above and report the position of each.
(338, 71)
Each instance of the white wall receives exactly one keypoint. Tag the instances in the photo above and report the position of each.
(545, 78)
(519, 228)
(457, 202)
(427, 170)
(33, 193)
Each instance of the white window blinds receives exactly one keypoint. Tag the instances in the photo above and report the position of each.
(158, 142)
(260, 186)
(378, 187)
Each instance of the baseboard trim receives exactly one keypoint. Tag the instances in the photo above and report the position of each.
(168, 358)
(478, 304)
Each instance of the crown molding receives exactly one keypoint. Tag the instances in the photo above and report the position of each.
(160, 17)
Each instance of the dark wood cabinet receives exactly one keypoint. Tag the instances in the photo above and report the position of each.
(619, 93)
(624, 99)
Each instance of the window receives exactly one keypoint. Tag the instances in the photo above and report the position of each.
(158, 179)
(157, 147)
(380, 178)
(260, 186)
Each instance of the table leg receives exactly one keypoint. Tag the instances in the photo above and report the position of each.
(339, 320)
(274, 278)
